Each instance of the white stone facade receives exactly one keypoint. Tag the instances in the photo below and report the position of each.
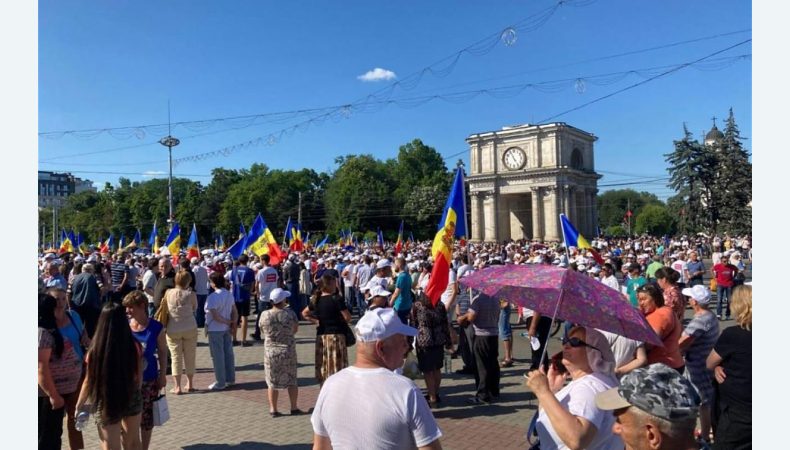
(523, 177)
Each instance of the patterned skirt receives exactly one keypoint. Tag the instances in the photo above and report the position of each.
(279, 364)
(331, 355)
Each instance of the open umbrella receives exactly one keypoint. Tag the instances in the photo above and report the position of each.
(570, 295)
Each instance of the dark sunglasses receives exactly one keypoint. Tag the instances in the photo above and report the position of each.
(576, 342)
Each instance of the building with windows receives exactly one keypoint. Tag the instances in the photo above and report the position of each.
(54, 188)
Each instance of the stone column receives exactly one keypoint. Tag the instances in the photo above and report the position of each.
(477, 216)
(537, 213)
(565, 196)
(489, 208)
(552, 218)
(594, 209)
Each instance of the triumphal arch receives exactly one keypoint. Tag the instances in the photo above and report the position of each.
(522, 177)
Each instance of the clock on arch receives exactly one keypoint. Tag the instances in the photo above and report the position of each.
(514, 158)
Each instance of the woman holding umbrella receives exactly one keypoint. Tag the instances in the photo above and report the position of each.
(568, 416)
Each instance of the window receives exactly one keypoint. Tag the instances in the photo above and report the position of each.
(577, 161)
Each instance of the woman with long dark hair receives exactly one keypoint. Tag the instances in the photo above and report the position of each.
(433, 337)
(328, 310)
(59, 371)
(113, 380)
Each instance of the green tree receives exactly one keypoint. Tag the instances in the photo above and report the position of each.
(692, 173)
(359, 195)
(613, 205)
(734, 181)
(654, 219)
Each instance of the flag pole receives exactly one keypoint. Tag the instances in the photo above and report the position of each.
(559, 300)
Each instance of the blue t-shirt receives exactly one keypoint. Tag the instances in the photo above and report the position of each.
(73, 331)
(243, 278)
(148, 340)
(404, 300)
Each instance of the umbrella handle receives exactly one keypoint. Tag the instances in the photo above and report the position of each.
(553, 318)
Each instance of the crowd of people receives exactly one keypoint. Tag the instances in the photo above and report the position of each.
(112, 327)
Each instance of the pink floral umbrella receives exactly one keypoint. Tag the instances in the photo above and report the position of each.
(563, 293)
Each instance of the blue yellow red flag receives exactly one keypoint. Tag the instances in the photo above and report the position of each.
(452, 225)
(153, 240)
(173, 241)
(399, 242)
(193, 250)
(574, 239)
(66, 245)
(261, 241)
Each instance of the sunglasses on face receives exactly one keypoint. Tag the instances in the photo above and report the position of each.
(576, 342)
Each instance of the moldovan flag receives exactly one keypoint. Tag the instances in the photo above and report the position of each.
(121, 243)
(399, 243)
(153, 240)
(107, 246)
(261, 241)
(66, 246)
(294, 235)
(193, 251)
(453, 224)
(574, 239)
(82, 245)
(173, 241)
(135, 241)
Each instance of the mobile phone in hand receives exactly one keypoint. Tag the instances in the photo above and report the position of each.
(556, 361)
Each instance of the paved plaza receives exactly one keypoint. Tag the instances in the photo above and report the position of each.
(238, 418)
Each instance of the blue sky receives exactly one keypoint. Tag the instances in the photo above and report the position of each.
(117, 64)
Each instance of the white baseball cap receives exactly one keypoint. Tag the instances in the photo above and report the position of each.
(278, 295)
(380, 324)
(378, 291)
(699, 293)
(384, 262)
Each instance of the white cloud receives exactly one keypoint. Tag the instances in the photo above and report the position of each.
(152, 173)
(378, 74)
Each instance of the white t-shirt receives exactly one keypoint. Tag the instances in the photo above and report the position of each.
(680, 267)
(389, 411)
(267, 282)
(377, 280)
(578, 397)
(149, 281)
(448, 292)
(201, 280)
(350, 271)
(611, 281)
(623, 348)
(222, 301)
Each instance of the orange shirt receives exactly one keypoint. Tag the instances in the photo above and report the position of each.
(667, 327)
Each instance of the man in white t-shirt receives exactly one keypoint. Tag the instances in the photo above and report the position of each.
(608, 278)
(266, 280)
(388, 408)
(681, 267)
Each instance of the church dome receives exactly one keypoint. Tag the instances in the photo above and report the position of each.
(714, 135)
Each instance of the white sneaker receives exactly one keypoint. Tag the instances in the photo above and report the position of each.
(215, 387)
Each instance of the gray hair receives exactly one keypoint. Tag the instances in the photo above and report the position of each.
(677, 430)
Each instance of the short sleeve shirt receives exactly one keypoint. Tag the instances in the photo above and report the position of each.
(404, 300)
(704, 329)
(267, 281)
(242, 278)
(487, 315)
(66, 369)
(328, 311)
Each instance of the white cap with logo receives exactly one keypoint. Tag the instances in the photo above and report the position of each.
(380, 324)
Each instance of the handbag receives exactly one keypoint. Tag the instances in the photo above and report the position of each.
(161, 411)
(350, 338)
(713, 284)
(162, 314)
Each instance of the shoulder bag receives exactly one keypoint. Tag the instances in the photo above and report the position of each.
(162, 314)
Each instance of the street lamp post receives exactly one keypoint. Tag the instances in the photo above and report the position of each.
(170, 142)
